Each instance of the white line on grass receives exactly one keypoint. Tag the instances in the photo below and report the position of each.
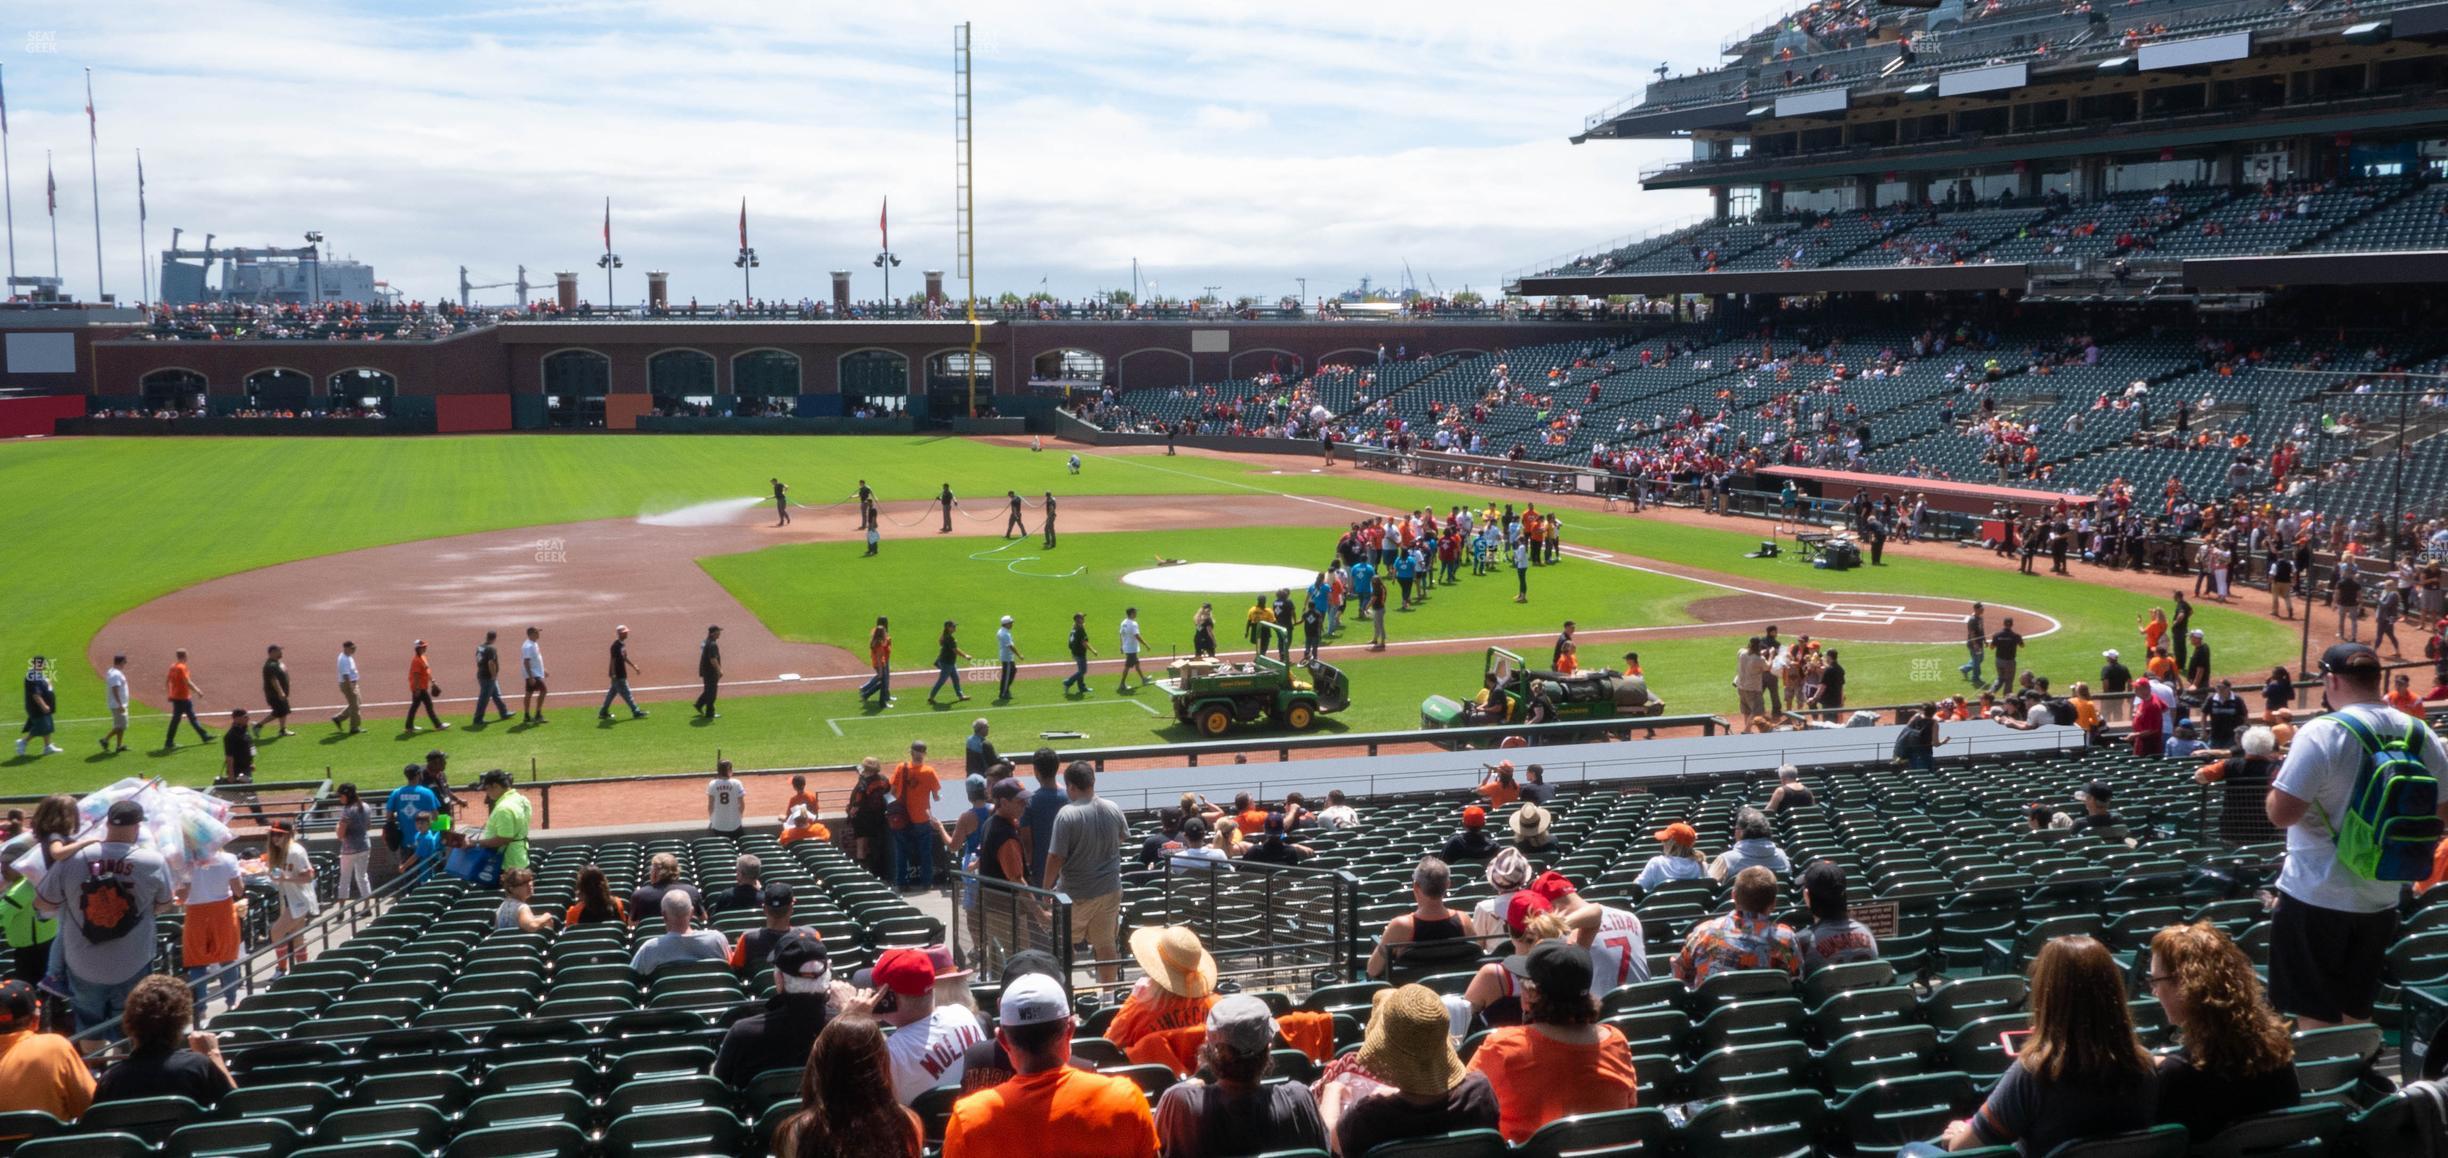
(835, 722)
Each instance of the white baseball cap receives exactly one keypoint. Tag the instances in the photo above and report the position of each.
(1033, 999)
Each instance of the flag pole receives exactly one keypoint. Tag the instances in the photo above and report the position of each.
(8, 196)
(144, 272)
(93, 160)
(51, 197)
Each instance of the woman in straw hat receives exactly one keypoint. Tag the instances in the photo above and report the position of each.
(1178, 987)
(1530, 830)
(1426, 1090)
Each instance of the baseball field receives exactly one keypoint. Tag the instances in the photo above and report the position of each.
(226, 546)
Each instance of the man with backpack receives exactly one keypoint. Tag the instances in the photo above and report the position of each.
(107, 895)
(2358, 797)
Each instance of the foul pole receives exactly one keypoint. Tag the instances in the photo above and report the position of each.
(964, 201)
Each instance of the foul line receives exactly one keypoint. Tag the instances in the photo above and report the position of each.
(834, 722)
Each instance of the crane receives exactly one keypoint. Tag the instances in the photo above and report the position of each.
(465, 286)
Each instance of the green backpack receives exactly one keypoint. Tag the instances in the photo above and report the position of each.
(2391, 827)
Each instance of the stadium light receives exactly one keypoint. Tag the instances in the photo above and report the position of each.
(747, 260)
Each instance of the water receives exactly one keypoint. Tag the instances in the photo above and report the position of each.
(710, 514)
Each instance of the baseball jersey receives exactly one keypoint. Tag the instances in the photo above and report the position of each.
(729, 798)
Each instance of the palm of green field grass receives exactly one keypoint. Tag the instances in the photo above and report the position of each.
(101, 525)
(831, 593)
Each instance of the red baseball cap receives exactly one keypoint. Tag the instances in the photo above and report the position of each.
(1678, 833)
(1524, 905)
(908, 972)
(1474, 817)
(1552, 884)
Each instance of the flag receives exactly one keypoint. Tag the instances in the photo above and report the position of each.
(743, 223)
(50, 188)
(607, 225)
(884, 223)
(3, 109)
(93, 128)
(140, 204)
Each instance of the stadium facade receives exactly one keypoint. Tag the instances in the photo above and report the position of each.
(2185, 148)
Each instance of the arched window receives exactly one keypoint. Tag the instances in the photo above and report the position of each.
(765, 374)
(172, 389)
(279, 388)
(877, 379)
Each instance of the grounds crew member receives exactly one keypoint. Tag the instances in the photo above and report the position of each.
(710, 670)
(945, 500)
(1015, 524)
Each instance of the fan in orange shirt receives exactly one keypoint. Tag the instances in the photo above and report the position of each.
(421, 690)
(1048, 1109)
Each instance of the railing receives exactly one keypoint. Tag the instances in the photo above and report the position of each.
(1264, 922)
(1622, 762)
(998, 918)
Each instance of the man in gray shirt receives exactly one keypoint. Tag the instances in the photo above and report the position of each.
(107, 895)
(678, 942)
(1085, 862)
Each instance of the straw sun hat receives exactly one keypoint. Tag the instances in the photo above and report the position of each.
(1407, 1046)
(1175, 960)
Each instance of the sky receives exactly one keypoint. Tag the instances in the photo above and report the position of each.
(1218, 148)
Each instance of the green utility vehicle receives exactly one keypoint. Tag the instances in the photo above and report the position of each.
(1514, 693)
(1212, 695)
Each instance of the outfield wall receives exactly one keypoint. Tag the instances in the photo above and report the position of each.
(508, 358)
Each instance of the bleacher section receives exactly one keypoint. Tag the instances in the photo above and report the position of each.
(1601, 395)
(436, 1031)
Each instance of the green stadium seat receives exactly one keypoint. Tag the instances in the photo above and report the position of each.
(1891, 1113)
(444, 1090)
(934, 1109)
(1821, 984)
(2330, 1062)
(526, 1108)
(1860, 1009)
(420, 1126)
(1873, 1055)
(2296, 1130)
(663, 1092)
(1739, 1070)
(576, 1074)
(1764, 1126)
(1978, 1049)
(2387, 1127)
(152, 1119)
(1732, 985)
(1615, 1132)
(381, 1148)
(669, 1133)
(243, 1138)
(18, 1126)
(525, 1140)
(1459, 1144)
(87, 1144)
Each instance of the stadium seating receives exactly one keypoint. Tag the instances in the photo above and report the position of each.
(435, 1031)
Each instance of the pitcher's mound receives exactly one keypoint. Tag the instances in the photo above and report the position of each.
(1220, 578)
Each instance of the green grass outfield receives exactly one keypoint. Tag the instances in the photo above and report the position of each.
(99, 526)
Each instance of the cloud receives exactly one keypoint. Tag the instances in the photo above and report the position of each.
(1218, 148)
